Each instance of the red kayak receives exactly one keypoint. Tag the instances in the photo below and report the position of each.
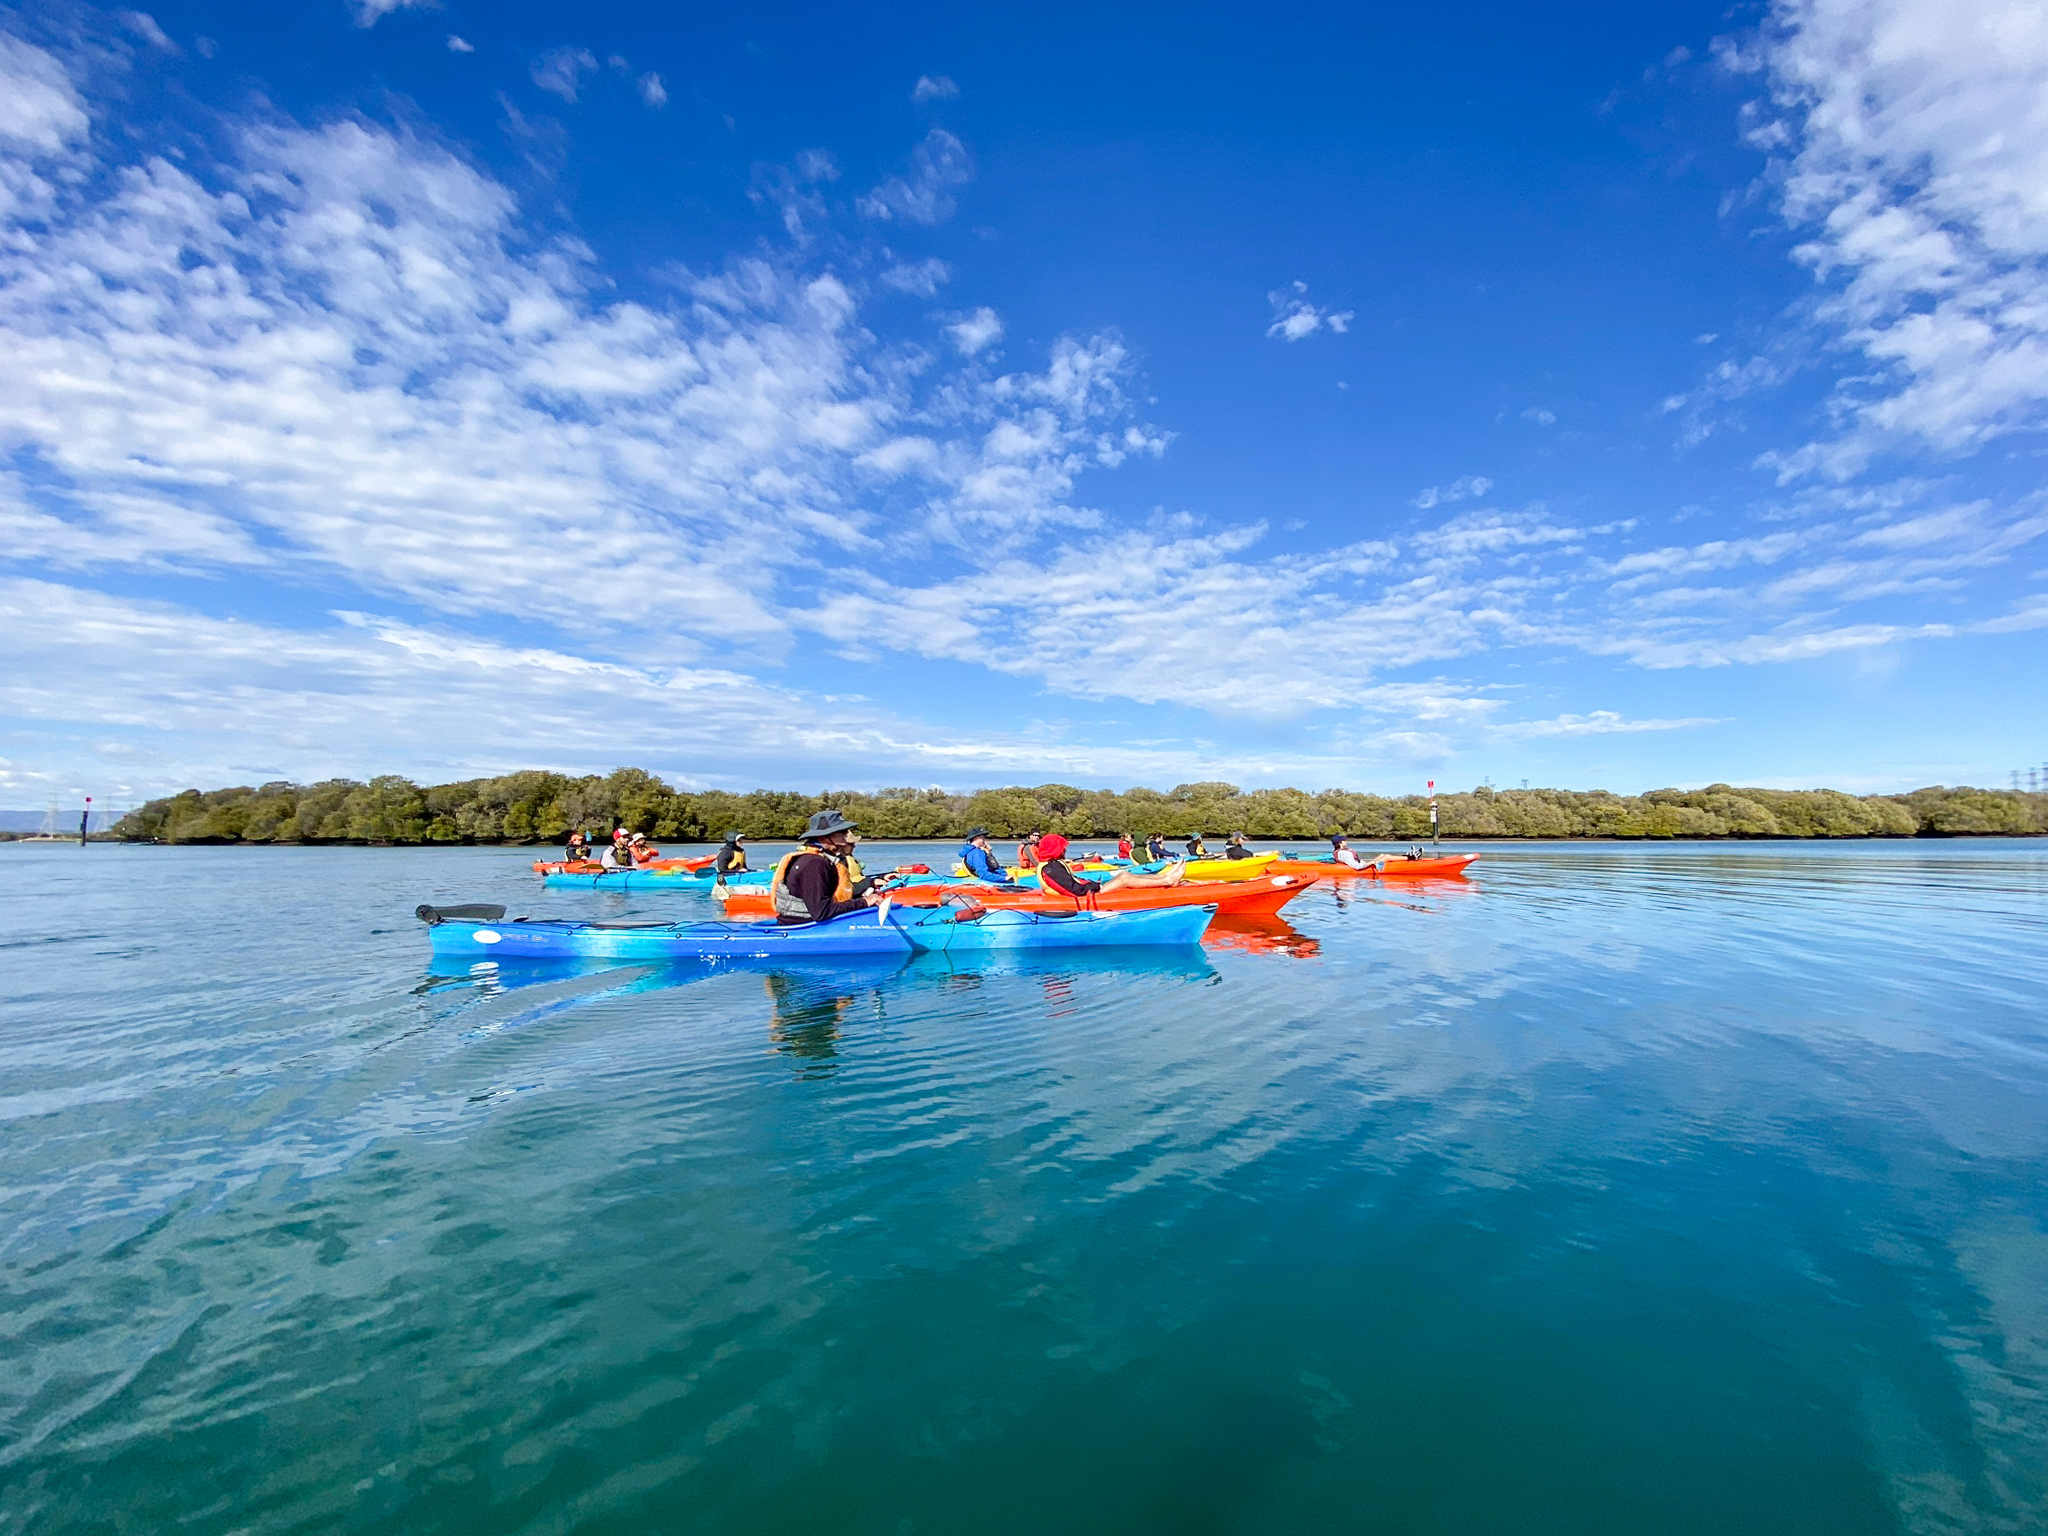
(1392, 866)
(1245, 898)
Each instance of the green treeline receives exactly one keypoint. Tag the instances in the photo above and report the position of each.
(536, 807)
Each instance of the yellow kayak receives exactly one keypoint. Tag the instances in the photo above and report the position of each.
(1019, 872)
(1230, 869)
(1197, 869)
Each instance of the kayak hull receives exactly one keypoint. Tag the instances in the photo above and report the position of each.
(1382, 869)
(858, 933)
(940, 930)
(648, 880)
(946, 930)
(591, 866)
(1261, 897)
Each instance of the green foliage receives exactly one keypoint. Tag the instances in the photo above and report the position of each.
(539, 807)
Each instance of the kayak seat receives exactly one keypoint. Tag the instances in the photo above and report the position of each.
(476, 912)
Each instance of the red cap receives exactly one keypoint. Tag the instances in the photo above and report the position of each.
(1052, 846)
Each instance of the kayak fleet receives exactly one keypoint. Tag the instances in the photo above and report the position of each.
(916, 910)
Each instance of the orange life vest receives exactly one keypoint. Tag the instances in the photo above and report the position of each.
(787, 905)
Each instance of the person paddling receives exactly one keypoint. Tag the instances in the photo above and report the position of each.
(1155, 848)
(817, 881)
(1054, 874)
(1197, 849)
(620, 854)
(578, 849)
(731, 858)
(980, 862)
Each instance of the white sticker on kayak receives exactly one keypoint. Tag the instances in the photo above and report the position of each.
(487, 936)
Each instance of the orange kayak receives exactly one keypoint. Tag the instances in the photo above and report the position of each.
(1247, 898)
(1388, 867)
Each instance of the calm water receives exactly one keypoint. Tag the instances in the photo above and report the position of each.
(1645, 1190)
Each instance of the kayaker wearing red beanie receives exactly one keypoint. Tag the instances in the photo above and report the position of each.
(1054, 875)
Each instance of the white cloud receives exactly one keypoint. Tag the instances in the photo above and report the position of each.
(925, 196)
(923, 278)
(981, 329)
(652, 91)
(934, 88)
(369, 12)
(181, 698)
(1294, 317)
(560, 71)
(1600, 722)
(1541, 417)
(1915, 158)
(794, 188)
(460, 45)
(381, 375)
(1458, 490)
(144, 26)
(40, 112)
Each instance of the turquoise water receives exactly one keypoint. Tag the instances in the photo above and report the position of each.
(1622, 1189)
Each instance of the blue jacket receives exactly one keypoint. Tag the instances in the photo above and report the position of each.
(982, 865)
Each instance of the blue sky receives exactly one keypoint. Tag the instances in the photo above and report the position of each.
(798, 397)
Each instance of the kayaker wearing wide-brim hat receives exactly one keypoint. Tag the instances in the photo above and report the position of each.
(817, 882)
(979, 861)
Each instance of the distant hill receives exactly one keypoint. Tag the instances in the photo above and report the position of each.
(32, 821)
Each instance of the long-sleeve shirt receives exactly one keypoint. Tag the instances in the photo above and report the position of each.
(813, 879)
(982, 865)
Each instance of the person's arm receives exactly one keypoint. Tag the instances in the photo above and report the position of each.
(814, 881)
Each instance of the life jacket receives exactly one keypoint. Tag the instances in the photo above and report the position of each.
(1086, 900)
(1027, 856)
(731, 860)
(787, 905)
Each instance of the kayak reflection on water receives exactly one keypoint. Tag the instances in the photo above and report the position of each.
(1262, 935)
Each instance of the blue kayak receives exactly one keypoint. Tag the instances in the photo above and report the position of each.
(482, 932)
(949, 930)
(479, 933)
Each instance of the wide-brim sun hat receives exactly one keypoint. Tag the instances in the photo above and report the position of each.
(826, 823)
(974, 832)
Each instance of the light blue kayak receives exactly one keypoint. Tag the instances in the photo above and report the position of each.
(482, 932)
